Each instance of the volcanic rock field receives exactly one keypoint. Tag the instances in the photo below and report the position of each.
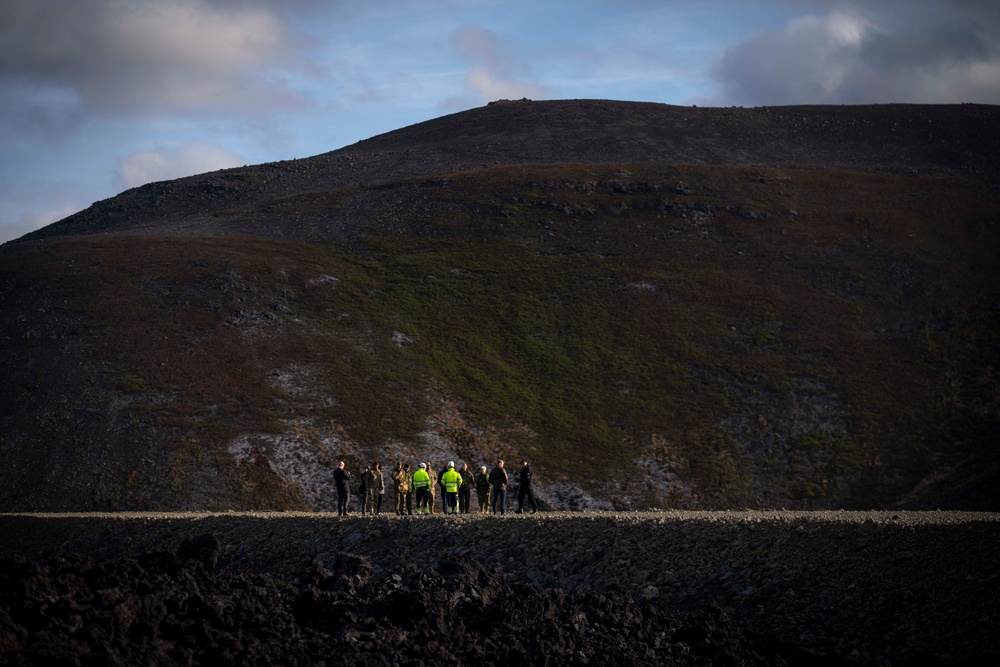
(700, 588)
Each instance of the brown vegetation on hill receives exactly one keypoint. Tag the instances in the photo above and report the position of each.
(806, 318)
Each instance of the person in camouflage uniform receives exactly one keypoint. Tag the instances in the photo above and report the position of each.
(363, 488)
(381, 488)
(404, 488)
(370, 480)
(483, 489)
(433, 488)
(465, 491)
(409, 493)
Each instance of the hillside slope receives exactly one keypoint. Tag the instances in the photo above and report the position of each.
(648, 331)
(896, 138)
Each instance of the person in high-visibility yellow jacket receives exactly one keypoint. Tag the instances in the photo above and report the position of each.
(422, 489)
(451, 480)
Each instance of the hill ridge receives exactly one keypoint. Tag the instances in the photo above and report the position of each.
(910, 138)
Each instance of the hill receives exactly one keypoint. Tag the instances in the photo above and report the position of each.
(658, 306)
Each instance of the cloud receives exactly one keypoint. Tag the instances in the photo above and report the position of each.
(925, 52)
(502, 71)
(29, 221)
(125, 58)
(161, 165)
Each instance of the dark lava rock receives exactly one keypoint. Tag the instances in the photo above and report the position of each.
(174, 608)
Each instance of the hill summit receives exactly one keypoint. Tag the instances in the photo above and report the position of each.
(658, 306)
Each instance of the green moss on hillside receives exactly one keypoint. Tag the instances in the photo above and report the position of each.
(800, 337)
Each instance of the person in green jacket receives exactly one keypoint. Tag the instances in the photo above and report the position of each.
(371, 480)
(483, 488)
(421, 487)
(451, 481)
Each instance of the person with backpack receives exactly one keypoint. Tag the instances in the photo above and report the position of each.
(375, 486)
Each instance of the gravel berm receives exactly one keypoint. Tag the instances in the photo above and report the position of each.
(677, 587)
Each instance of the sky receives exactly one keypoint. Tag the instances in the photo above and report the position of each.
(99, 96)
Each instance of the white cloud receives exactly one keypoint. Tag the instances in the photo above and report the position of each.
(30, 220)
(37, 219)
(502, 72)
(488, 85)
(166, 164)
(190, 34)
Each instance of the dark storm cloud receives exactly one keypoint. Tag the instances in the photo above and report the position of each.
(921, 51)
(188, 56)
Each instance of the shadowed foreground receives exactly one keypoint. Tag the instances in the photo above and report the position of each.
(754, 588)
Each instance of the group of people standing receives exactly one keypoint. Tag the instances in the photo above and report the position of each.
(415, 491)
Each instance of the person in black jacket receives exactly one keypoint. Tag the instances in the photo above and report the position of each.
(343, 480)
(524, 489)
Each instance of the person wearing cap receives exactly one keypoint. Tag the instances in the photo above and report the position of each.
(421, 487)
(465, 490)
(524, 489)
(498, 480)
(451, 481)
(483, 490)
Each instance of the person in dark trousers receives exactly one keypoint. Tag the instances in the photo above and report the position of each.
(498, 478)
(524, 489)
(451, 482)
(422, 486)
(380, 489)
(343, 480)
(465, 491)
(363, 491)
(440, 482)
